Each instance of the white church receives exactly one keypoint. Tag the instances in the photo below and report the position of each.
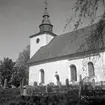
(66, 55)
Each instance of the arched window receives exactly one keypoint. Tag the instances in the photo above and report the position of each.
(41, 76)
(73, 73)
(91, 69)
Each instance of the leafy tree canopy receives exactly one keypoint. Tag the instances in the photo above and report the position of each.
(6, 69)
(21, 69)
(93, 11)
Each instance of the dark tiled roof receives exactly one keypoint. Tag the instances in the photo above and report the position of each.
(64, 45)
(41, 33)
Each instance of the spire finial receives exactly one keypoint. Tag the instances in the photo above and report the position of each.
(46, 13)
(46, 3)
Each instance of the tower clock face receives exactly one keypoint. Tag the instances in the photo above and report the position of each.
(37, 40)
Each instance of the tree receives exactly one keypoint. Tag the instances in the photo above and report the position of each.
(21, 69)
(23, 57)
(17, 76)
(88, 9)
(6, 69)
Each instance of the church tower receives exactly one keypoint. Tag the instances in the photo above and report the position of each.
(44, 36)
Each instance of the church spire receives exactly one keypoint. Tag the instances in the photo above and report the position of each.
(46, 24)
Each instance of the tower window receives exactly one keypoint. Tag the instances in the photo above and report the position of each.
(37, 40)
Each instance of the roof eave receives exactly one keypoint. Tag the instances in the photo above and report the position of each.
(69, 57)
(40, 33)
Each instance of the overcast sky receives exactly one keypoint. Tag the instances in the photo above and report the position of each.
(21, 18)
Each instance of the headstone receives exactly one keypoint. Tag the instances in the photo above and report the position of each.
(5, 83)
(35, 83)
(80, 86)
(46, 88)
(40, 84)
(67, 83)
(51, 84)
(93, 83)
(0, 80)
(80, 77)
(0, 83)
(22, 82)
(59, 84)
(21, 86)
(101, 84)
(24, 91)
(12, 86)
(57, 78)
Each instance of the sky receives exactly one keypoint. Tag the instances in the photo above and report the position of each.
(20, 19)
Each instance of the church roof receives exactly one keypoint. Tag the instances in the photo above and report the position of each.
(66, 45)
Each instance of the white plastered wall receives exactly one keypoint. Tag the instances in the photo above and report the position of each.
(63, 69)
(49, 70)
(44, 40)
(82, 66)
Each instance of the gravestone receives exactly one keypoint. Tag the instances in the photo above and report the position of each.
(25, 91)
(51, 84)
(22, 82)
(80, 86)
(46, 88)
(67, 83)
(21, 86)
(57, 78)
(80, 77)
(0, 83)
(93, 83)
(59, 84)
(5, 83)
(0, 80)
(35, 84)
(101, 84)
